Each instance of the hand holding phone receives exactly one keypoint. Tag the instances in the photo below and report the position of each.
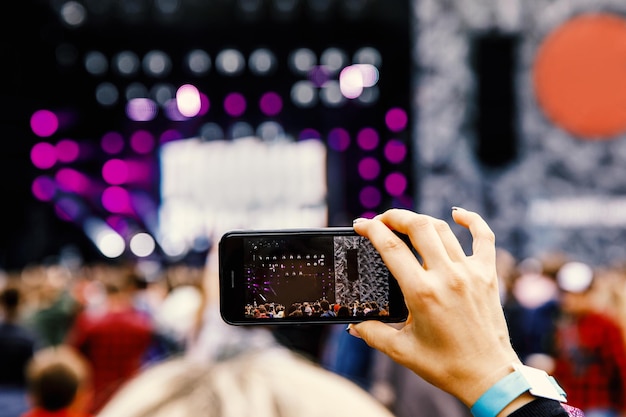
(323, 275)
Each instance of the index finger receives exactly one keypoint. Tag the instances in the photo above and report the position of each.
(432, 238)
(398, 257)
(483, 238)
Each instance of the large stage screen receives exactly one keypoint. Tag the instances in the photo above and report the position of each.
(209, 187)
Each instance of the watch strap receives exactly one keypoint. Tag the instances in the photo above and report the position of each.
(523, 378)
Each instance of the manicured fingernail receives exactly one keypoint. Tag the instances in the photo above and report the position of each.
(352, 331)
(359, 220)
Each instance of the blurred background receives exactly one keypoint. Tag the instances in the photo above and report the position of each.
(145, 128)
(136, 132)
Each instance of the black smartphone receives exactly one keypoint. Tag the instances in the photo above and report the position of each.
(325, 275)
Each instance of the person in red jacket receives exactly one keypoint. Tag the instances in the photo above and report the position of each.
(590, 356)
(115, 340)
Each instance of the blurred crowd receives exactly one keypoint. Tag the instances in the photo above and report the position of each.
(111, 316)
(70, 338)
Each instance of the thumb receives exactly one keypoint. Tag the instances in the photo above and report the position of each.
(376, 334)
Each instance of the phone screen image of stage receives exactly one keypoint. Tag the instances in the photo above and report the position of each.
(292, 276)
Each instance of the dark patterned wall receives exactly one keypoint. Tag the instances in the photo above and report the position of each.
(546, 184)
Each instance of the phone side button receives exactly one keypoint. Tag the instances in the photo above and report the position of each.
(232, 279)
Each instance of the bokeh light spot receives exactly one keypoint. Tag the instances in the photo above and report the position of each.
(339, 139)
(309, 133)
(67, 150)
(304, 94)
(579, 75)
(72, 181)
(111, 244)
(116, 200)
(115, 171)
(171, 111)
(270, 103)
(370, 197)
(44, 123)
(354, 78)
(142, 142)
(235, 104)
(319, 76)
(141, 109)
(369, 168)
(44, 188)
(396, 184)
(142, 245)
(205, 104)
(69, 208)
(396, 119)
(170, 135)
(43, 155)
(188, 100)
(112, 143)
(120, 224)
(351, 82)
(262, 62)
(367, 138)
(395, 151)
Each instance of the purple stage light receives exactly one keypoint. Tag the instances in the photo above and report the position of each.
(67, 150)
(115, 172)
(144, 205)
(72, 181)
(141, 109)
(171, 111)
(370, 197)
(270, 103)
(396, 119)
(69, 209)
(396, 184)
(205, 104)
(44, 123)
(319, 75)
(367, 138)
(44, 188)
(142, 142)
(112, 143)
(395, 151)
(170, 135)
(116, 200)
(119, 223)
(339, 139)
(369, 214)
(43, 155)
(309, 133)
(235, 104)
(369, 168)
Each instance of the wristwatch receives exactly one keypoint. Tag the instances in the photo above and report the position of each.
(524, 378)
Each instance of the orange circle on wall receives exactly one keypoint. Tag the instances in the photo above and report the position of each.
(579, 76)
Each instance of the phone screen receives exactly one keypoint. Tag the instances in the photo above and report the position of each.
(329, 275)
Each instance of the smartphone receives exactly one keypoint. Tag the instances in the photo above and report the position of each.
(306, 276)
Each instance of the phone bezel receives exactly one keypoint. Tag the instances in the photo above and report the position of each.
(231, 281)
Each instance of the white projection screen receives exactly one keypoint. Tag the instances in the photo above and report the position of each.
(210, 187)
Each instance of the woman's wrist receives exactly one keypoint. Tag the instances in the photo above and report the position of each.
(516, 404)
(483, 378)
(520, 386)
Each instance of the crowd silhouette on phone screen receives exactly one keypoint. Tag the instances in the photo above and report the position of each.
(118, 340)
